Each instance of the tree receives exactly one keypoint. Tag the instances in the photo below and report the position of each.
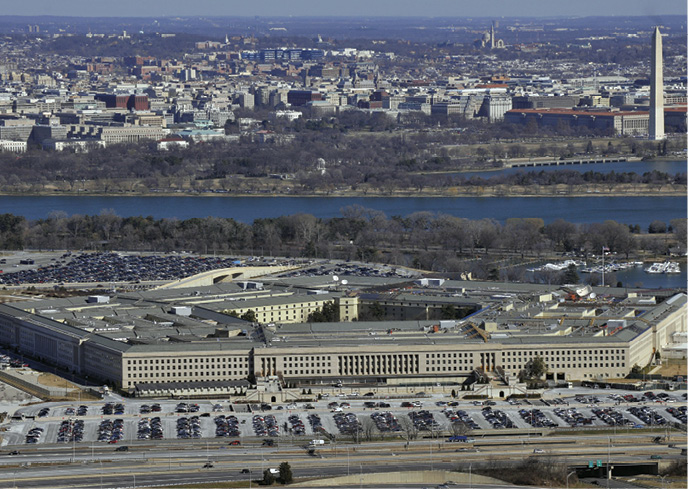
(678, 227)
(459, 428)
(374, 312)
(329, 313)
(268, 478)
(408, 427)
(657, 227)
(285, 475)
(250, 316)
(369, 428)
(570, 275)
(533, 369)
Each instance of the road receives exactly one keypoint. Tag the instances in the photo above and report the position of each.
(185, 465)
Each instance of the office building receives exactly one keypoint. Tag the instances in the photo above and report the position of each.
(187, 335)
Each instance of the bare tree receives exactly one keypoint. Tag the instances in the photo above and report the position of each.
(369, 429)
(459, 428)
(408, 427)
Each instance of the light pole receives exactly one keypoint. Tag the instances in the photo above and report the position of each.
(348, 472)
(609, 456)
(71, 430)
(101, 473)
(567, 479)
(470, 476)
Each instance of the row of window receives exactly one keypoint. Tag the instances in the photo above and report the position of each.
(198, 360)
(157, 375)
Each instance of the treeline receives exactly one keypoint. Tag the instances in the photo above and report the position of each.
(322, 159)
(424, 240)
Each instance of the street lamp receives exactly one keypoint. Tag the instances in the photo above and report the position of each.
(567, 479)
(609, 456)
(470, 476)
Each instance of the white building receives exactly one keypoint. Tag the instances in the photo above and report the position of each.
(13, 146)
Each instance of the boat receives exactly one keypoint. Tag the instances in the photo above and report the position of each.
(666, 267)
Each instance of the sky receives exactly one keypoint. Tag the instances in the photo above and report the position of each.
(349, 8)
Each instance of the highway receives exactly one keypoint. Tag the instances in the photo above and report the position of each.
(171, 460)
(102, 467)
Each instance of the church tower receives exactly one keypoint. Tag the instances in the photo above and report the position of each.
(656, 128)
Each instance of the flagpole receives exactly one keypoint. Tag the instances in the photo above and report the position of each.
(603, 266)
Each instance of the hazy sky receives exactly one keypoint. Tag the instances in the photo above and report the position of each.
(269, 8)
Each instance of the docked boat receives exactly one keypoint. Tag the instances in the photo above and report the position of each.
(666, 267)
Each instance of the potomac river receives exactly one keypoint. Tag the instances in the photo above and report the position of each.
(625, 209)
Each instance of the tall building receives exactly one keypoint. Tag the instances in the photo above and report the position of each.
(656, 128)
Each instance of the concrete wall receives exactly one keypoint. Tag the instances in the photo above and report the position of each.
(224, 275)
(411, 477)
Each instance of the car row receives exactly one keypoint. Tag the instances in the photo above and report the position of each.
(34, 435)
(297, 426)
(386, 422)
(347, 423)
(189, 427)
(226, 426)
(498, 419)
(424, 420)
(460, 416)
(112, 408)
(184, 407)
(573, 417)
(678, 413)
(110, 431)
(612, 417)
(265, 425)
(536, 418)
(647, 415)
(316, 422)
(342, 270)
(375, 405)
(71, 431)
(149, 429)
(80, 411)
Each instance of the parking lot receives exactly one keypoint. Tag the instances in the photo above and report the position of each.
(116, 267)
(73, 267)
(129, 421)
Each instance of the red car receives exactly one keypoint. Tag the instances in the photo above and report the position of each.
(235, 443)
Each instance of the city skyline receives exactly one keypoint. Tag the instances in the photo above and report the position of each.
(354, 8)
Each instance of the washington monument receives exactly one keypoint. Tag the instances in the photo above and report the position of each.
(656, 129)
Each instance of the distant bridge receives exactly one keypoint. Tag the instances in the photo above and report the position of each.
(581, 161)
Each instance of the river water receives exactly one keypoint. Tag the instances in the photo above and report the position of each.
(625, 209)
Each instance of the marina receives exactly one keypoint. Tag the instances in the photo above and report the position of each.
(669, 274)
